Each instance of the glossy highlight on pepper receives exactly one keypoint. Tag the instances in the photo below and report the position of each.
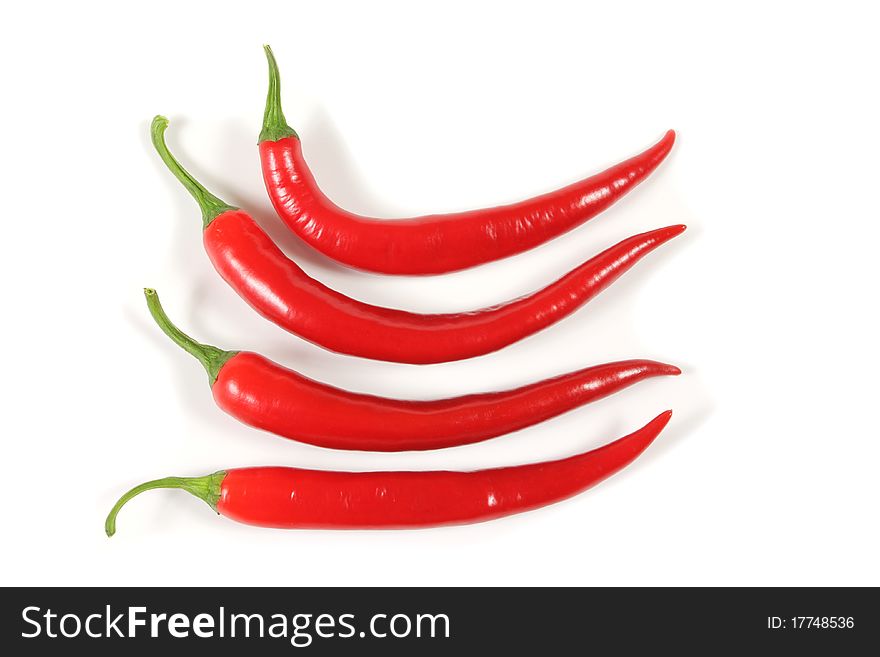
(432, 244)
(294, 498)
(266, 395)
(279, 290)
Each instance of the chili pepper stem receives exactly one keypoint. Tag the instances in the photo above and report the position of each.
(210, 205)
(211, 358)
(206, 488)
(274, 124)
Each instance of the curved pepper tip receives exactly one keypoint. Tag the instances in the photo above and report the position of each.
(661, 235)
(662, 420)
(661, 149)
(675, 229)
(642, 438)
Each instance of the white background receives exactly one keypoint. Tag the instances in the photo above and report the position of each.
(768, 471)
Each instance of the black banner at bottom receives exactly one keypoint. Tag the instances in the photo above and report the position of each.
(435, 621)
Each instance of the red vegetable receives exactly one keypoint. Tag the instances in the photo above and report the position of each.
(313, 499)
(436, 243)
(268, 396)
(279, 290)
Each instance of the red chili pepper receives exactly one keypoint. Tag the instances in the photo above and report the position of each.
(278, 289)
(291, 498)
(431, 244)
(263, 394)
